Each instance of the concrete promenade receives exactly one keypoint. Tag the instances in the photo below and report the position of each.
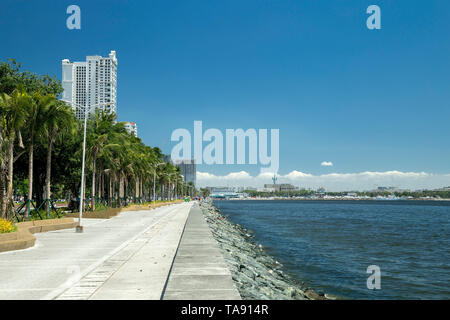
(131, 253)
(167, 253)
(199, 271)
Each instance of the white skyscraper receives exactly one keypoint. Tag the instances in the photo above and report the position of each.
(131, 127)
(91, 82)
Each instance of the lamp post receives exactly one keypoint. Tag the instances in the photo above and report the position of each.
(79, 227)
(154, 182)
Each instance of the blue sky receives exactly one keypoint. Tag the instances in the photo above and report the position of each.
(365, 100)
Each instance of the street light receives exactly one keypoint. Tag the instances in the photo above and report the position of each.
(79, 227)
(154, 182)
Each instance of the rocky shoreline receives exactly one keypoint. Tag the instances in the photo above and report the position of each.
(257, 275)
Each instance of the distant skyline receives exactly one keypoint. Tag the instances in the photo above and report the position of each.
(347, 100)
(362, 181)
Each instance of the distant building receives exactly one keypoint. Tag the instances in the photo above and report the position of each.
(188, 170)
(225, 192)
(280, 187)
(168, 158)
(270, 189)
(389, 189)
(90, 84)
(131, 127)
(220, 189)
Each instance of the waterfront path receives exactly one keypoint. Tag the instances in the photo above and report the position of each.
(199, 271)
(126, 257)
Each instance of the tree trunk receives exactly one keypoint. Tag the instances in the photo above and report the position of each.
(30, 179)
(48, 169)
(126, 190)
(2, 194)
(113, 187)
(136, 191)
(9, 192)
(93, 185)
(121, 193)
(110, 189)
(101, 177)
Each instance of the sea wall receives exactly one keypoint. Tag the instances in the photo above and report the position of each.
(257, 275)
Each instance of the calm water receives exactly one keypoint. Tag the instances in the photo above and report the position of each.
(330, 244)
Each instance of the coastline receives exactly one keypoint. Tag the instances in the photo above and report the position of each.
(257, 275)
(332, 199)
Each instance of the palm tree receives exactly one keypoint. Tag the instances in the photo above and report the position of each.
(191, 188)
(104, 135)
(59, 121)
(13, 114)
(36, 118)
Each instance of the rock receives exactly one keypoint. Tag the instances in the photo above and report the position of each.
(330, 296)
(290, 292)
(256, 274)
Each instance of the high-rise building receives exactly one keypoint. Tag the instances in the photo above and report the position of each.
(131, 128)
(91, 83)
(188, 170)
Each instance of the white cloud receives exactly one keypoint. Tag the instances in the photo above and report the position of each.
(367, 180)
(326, 164)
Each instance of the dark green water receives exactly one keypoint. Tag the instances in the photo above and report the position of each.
(330, 244)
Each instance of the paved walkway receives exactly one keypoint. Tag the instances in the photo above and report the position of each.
(143, 272)
(136, 255)
(199, 271)
(132, 253)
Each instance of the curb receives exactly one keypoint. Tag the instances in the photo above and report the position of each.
(23, 238)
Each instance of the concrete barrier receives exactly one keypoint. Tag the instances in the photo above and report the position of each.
(23, 238)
